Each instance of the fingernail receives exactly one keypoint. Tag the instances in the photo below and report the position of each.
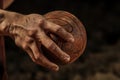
(55, 68)
(67, 58)
(71, 39)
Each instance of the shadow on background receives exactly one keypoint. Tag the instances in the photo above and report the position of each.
(101, 59)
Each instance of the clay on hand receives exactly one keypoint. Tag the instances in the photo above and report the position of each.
(30, 32)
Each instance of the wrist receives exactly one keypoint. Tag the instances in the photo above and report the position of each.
(7, 19)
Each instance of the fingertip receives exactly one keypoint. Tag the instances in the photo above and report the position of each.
(55, 68)
(71, 39)
(37, 56)
(67, 58)
(32, 32)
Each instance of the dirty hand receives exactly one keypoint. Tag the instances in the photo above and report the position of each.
(29, 33)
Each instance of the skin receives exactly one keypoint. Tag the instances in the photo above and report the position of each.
(29, 33)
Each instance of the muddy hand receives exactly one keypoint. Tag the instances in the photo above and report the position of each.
(30, 30)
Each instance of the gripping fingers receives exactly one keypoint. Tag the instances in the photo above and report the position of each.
(51, 46)
(41, 59)
(31, 48)
(59, 31)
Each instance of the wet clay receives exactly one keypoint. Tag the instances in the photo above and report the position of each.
(73, 25)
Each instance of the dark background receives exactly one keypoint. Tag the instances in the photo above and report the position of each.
(101, 59)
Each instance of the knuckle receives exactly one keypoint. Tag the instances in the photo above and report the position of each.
(36, 17)
(32, 32)
(41, 22)
(29, 40)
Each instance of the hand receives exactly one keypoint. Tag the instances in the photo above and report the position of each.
(30, 30)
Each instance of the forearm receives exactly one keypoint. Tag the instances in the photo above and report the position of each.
(7, 18)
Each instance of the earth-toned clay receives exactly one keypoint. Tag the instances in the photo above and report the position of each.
(70, 23)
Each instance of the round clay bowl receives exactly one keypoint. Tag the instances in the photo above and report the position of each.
(71, 24)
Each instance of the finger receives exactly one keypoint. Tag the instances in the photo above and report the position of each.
(41, 59)
(52, 47)
(28, 50)
(35, 50)
(58, 30)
